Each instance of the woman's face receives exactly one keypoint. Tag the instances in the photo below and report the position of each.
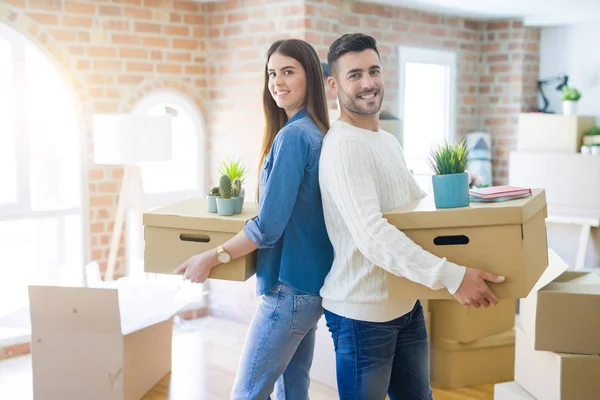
(287, 83)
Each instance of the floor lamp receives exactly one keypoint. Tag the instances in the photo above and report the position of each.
(127, 140)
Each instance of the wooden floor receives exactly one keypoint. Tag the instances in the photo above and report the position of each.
(205, 356)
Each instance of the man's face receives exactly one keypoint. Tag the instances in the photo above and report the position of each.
(358, 82)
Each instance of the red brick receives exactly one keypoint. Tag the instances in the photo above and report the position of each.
(419, 29)
(83, 36)
(438, 31)
(175, 17)
(126, 39)
(185, 44)
(236, 30)
(84, 22)
(127, 52)
(16, 3)
(145, 27)
(185, 5)
(95, 174)
(137, 13)
(155, 42)
(176, 30)
(63, 35)
(139, 67)
(169, 69)
(101, 201)
(45, 4)
(115, 25)
(98, 227)
(195, 69)
(492, 58)
(489, 47)
(97, 51)
(80, 8)
(110, 10)
(106, 66)
(216, 19)
(498, 25)
(156, 55)
(184, 56)
(499, 68)
(199, 33)
(238, 16)
(130, 79)
(44, 19)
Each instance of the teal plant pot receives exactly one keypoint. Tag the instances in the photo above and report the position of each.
(239, 204)
(212, 204)
(451, 191)
(225, 207)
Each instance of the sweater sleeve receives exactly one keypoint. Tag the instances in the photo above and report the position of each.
(347, 173)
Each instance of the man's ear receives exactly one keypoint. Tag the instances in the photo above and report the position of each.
(331, 82)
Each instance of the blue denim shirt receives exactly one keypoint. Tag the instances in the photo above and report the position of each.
(293, 245)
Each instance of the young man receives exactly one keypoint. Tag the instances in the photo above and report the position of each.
(381, 345)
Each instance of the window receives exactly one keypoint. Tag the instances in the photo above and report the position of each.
(426, 105)
(41, 158)
(166, 182)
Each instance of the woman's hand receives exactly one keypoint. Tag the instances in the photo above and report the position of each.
(197, 268)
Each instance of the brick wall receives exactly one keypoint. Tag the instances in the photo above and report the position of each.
(508, 76)
(113, 52)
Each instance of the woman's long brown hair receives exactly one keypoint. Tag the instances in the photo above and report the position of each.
(315, 102)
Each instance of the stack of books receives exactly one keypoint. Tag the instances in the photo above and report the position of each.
(498, 193)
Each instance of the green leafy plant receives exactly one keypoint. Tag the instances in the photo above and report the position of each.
(570, 94)
(594, 131)
(225, 187)
(234, 169)
(449, 158)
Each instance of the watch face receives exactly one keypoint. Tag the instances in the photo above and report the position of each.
(224, 257)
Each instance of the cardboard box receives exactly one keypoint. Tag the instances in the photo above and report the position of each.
(465, 324)
(79, 351)
(570, 303)
(552, 132)
(555, 376)
(485, 361)
(507, 238)
(178, 231)
(511, 391)
(568, 180)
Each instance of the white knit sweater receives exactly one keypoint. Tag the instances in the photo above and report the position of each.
(363, 174)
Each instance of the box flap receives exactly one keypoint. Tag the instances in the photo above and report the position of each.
(587, 279)
(74, 309)
(502, 339)
(573, 288)
(556, 267)
(422, 214)
(193, 214)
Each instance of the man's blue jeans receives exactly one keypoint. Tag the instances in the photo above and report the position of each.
(374, 359)
(278, 349)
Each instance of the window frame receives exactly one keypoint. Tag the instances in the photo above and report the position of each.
(409, 54)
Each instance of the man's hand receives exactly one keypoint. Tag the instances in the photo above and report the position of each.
(197, 268)
(473, 291)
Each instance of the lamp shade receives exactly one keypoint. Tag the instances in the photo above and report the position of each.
(125, 139)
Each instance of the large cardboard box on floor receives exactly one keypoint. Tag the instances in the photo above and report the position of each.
(507, 238)
(571, 302)
(79, 350)
(484, 361)
(555, 376)
(451, 320)
(178, 231)
(563, 315)
(511, 391)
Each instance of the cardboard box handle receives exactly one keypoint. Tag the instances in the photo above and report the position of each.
(194, 237)
(451, 240)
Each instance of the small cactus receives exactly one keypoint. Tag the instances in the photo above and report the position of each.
(236, 187)
(225, 187)
(215, 191)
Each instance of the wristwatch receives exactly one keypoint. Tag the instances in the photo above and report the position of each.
(223, 256)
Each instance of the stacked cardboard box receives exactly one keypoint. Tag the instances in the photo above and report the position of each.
(558, 339)
(465, 340)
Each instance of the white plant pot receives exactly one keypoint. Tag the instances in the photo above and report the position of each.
(569, 107)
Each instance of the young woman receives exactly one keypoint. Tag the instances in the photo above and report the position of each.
(294, 252)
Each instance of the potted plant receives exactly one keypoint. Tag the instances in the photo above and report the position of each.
(234, 169)
(236, 193)
(225, 204)
(592, 136)
(570, 97)
(211, 197)
(449, 163)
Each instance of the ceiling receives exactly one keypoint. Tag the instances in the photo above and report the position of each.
(534, 12)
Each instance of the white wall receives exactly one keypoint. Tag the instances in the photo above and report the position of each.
(573, 50)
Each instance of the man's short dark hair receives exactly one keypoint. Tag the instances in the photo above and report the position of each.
(347, 43)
